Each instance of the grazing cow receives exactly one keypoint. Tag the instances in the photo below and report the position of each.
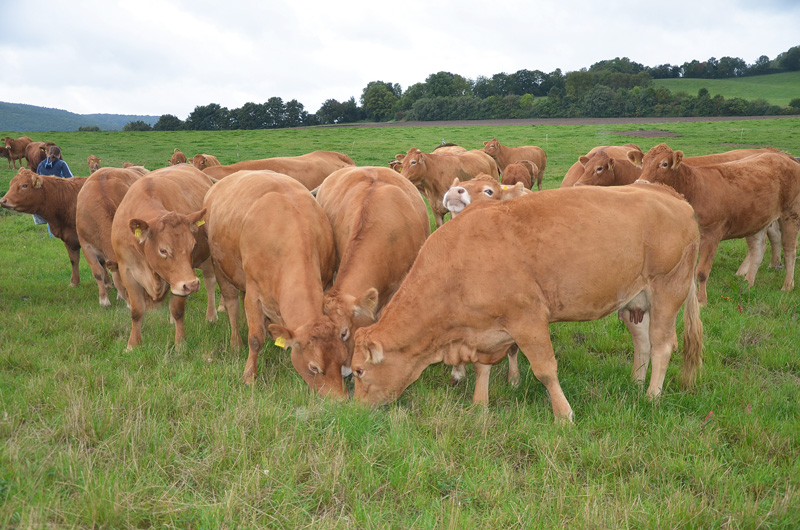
(732, 200)
(16, 148)
(6, 153)
(97, 202)
(177, 157)
(94, 163)
(577, 169)
(433, 173)
(159, 237)
(575, 259)
(310, 169)
(525, 172)
(508, 155)
(270, 239)
(379, 223)
(483, 187)
(54, 199)
(203, 161)
(36, 152)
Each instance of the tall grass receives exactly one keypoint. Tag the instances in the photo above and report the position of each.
(92, 436)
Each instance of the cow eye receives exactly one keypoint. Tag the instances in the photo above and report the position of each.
(24, 185)
(413, 162)
(164, 252)
(344, 334)
(489, 193)
(359, 373)
(599, 169)
(664, 164)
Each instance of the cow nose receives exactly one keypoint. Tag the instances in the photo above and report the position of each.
(460, 190)
(190, 287)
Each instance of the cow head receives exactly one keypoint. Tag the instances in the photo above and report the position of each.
(414, 168)
(381, 378)
(483, 187)
(24, 192)
(177, 157)
(168, 243)
(349, 313)
(492, 148)
(598, 170)
(660, 164)
(94, 163)
(318, 354)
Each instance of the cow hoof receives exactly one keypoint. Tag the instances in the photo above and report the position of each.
(105, 302)
(514, 381)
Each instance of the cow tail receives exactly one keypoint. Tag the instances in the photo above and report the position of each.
(692, 338)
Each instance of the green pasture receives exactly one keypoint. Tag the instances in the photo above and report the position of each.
(776, 89)
(92, 436)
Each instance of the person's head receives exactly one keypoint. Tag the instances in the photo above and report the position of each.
(54, 152)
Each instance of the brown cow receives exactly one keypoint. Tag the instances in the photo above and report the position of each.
(575, 259)
(379, 222)
(525, 172)
(310, 169)
(159, 237)
(94, 163)
(270, 239)
(177, 157)
(16, 148)
(577, 169)
(203, 161)
(36, 152)
(508, 155)
(6, 153)
(732, 200)
(432, 174)
(54, 199)
(97, 202)
(483, 187)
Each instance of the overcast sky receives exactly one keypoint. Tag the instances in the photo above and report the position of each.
(154, 57)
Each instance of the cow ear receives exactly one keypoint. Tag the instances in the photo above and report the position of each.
(140, 229)
(375, 352)
(36, 181)
(196, 220)
(512, 192)
(610, 164)
(583, 160)
(677, 158)
(366, 303)
(455, 183)
(400, 157)
(282, 336)
(485, 144)
(635, 158)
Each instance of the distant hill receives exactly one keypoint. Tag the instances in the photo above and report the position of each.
(20, 117)
(776, 89)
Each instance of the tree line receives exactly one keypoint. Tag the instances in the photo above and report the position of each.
(612, 88)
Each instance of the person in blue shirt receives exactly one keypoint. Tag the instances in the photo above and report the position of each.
(52, 165)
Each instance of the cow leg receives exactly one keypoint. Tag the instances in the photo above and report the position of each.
(774, 236)
(74, 256)
(177, 307)
(210, 283)
(230, 297)
(138, 303)
(708, 249)
(256, 333)
(513, 366)
(481, 395)
(458, 373)
(99, 273)
(122, 293)
(790, 225)
(663, 341)
(533, 338)
(637, 320)
(756, 246)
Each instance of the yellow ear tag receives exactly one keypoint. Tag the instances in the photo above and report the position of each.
(505, 187)
(280, 342)
(138, 232)
(201, 222)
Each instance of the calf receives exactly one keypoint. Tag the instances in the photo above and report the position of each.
(270, 239)
(379, 223)
(433, 173)
(54, 199)
(575, 259)
(177, 157)
(94, 163)
(203, 161)
(159, 237)
(309, 169)
(525, 172)
(508, 155)
(732, 200)
(96, 204)
(6, 153)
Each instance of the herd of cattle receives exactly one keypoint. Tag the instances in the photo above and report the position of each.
(337, 262)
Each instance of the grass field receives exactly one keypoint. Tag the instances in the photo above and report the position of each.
(777, 89)
(92, 436)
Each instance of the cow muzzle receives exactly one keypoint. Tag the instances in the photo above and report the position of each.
(186, 288)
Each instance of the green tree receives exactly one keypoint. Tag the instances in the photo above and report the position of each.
(379, 100)
(137, 125)
(168, 122)
(444, 84)
(210, 117)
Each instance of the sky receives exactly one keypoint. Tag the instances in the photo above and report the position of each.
(155, 57)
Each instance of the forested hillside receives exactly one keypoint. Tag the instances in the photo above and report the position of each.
(20, 117)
